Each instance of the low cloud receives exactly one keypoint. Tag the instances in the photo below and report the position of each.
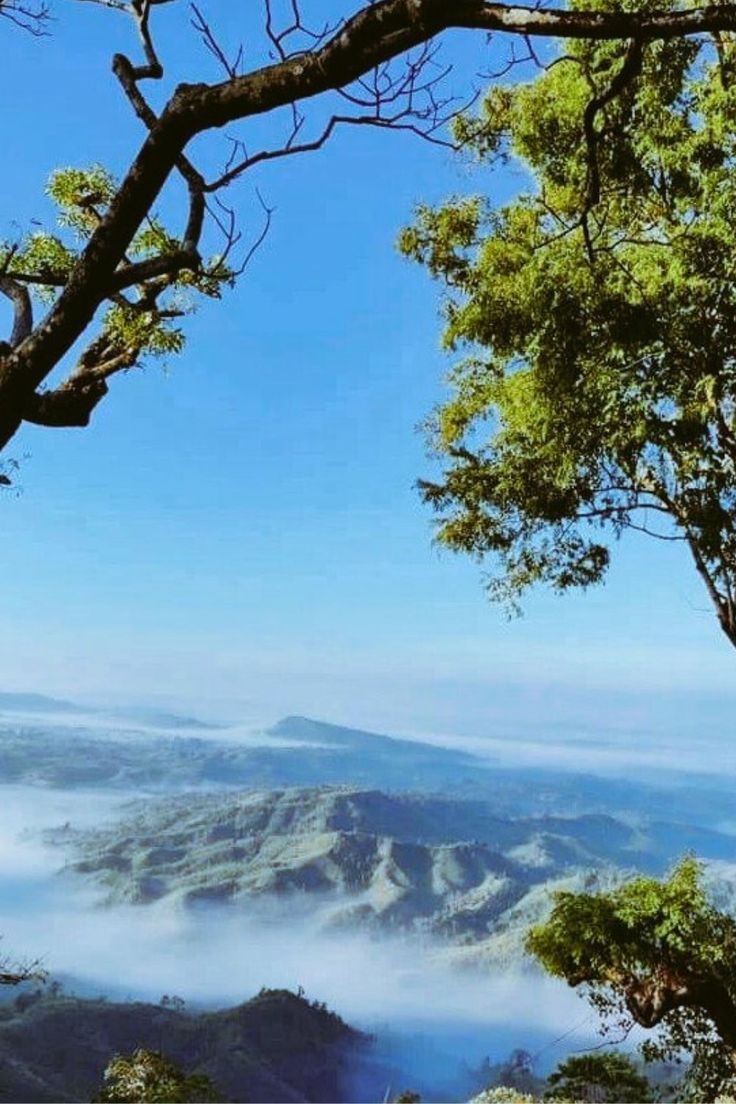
(221, 956)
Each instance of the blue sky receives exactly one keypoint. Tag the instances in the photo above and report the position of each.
(240, 532)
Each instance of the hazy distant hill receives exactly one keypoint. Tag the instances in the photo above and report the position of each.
(365, 858)
(102, 756)
(36, 703)
(40, 705)
(90, 752)
(276, 1047)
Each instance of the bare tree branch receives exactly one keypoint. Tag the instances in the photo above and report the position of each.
(15, 975)
(629, 71)
(29, 17)
(352, 58)
(22, 309)
(207, 35)
(169, 264)
(115, 5)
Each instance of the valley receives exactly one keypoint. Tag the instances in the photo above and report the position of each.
(392, 878)
(347, 858)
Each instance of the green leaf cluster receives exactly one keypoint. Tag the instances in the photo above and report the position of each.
(603, 1078)
(82, 196)
(134, 325)
(147, 1076)
(502, 1094)
(628, 931)
(648, 932)
(596, 386)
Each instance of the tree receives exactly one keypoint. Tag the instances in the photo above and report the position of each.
(31, 17)
(609, 1078)
(501, 1094)
(517, 1072)
(597, 393)
(119, 282)
(148, 1076)
(15, 973)
(658, 954)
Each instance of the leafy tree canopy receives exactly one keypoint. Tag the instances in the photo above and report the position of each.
(502, 1094)
(595, 317)
(610, 1078)
(146, 1075)
(658, 954)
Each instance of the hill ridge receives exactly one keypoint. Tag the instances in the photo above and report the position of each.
(364, 858)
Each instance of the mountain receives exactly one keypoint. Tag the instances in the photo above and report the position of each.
(157, 718)
(275, 1047)
(40, 704)
(364, 858)
(90, 752)
(36, 703)
(306, 753)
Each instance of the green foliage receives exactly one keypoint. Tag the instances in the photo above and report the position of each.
(131, 328)
(652, 951)
(609, 1077)
(46, 255)
(515, 1072)
(629, 931)
(141, 322)
(597, 386)
(148, 1076)
(501, 1094)
(82, 196)
(606, 1078)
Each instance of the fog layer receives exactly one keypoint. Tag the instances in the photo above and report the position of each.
(223, 955)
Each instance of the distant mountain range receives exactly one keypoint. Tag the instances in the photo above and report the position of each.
(87, 751)
(448, 867)
(40, 704)
(36, 703)
(293, 752)
(370, 831)
(313, 826)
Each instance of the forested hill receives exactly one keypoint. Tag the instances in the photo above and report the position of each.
(275, 1047)
(364, 858)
